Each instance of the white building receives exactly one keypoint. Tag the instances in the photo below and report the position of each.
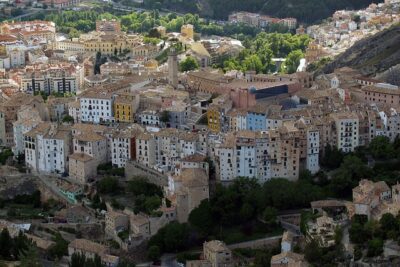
(74, 110)
(244, 155)
(47, 147)
(17, 57)
(150, 117)
(50, 84)
(313, 146)
(391, 122)
(96, 107)
(347, 131)
(123, 145)
(145, 149)
(28, 118)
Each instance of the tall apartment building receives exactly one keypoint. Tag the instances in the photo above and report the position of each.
(47, 147)
(123, 145)
(10, 110)
(89, 150)
(261, 155)
(49, 78)
(347, 131)
(96, 106)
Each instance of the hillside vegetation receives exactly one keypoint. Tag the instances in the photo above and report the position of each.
(308, 11)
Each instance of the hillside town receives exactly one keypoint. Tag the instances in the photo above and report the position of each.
(115, 153)
(346, 27)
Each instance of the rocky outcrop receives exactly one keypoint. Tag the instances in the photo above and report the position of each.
(371, 55)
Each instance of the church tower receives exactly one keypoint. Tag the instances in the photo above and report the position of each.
(173, 68)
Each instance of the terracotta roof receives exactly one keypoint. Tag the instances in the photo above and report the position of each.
(195, 158)
(89, 137)
(80, 157)
(88, 246)
(41, 128)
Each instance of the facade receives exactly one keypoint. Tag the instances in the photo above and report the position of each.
(347, 131)
(260, 155)
(89, 150)
(90, 249)
(313, 148)
(150, 118)
(125, 106)
(173, 68)
(28, 119)
(187, 190)
(217, 253)
(47, 147)
(108, 25)
(123, 145)
(367, 196)
(187, 31)
(96, 107)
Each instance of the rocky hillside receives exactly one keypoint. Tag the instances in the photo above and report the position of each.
(372, 55)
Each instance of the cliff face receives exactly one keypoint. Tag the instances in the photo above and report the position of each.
(372, 55)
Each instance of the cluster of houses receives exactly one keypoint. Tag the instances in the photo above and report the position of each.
(176, 128)
(347, 27)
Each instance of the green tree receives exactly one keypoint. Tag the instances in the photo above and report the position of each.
(164, 116)
(153, 253)
(375, 247)
(6, 244)
(269, 215)
(154, 33)
(305, 175)
(381, 148)
(332, 158)
(252, 62)
(108, 185)
(60, 248)
(171, 238)
(338, 235)
(389, 223)
(20, 245)
(201, 217)
(357, 233)
(68, 119)
(313, 252)
(152, 203)
(188, 64)
(293, 60)
(77, 260)
(347, 176)
(262, 259)
(31, 258)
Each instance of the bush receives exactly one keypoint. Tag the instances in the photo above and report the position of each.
(108, 185)
(4, 155)
(154, 253)
(140, 186)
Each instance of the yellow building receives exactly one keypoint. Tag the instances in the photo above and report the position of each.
(214, 119)
(151, 64)
(124, 107)
(187, 31)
